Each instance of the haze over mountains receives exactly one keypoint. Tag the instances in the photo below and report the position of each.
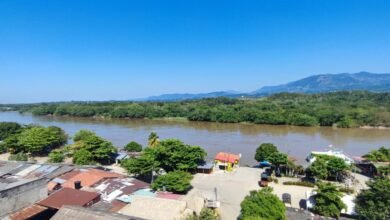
(312, 84)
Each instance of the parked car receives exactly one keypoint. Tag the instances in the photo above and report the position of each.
(264, 176)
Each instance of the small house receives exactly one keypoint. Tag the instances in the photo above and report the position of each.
(227, 161)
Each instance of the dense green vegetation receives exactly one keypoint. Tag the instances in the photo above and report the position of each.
(374, 203)
(175, 181)
(9, 128)
(88, 148)
(262, 204)
(328, 201)
(33, 140)
(344, 109)
(380, 155)
(327, 167)
(170, 155)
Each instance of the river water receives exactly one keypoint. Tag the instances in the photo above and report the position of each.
(215, 137)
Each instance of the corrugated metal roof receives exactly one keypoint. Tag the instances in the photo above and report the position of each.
(28, 212)
(67, 196)
(26, 171)
(79, 213)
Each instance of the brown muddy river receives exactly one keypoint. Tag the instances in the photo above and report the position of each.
(215, 137)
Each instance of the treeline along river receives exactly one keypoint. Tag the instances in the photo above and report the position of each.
(214, 137)
(341, 109)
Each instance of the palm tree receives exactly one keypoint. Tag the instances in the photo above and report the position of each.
(153, 140)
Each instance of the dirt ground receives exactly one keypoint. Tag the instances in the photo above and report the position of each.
(232, 187)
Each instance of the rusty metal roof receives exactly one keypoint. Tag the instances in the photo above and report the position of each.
(28, 212)
(67, 196)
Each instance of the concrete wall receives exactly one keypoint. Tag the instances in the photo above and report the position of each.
(18, 197)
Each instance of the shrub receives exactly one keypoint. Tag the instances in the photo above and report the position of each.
(56, 156)
(18, 157)
(299, 183)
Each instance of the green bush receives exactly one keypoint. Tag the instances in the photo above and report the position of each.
(18, 157)
(299, 183)
(175, 181)
(56, 156)
(262, 204)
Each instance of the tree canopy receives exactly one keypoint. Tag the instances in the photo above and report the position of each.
(328, 201)
(262, 204)
(133, 147)
(171, 155)
(175, 181)
(374, 203)
(36, 140)
(380, 155)
(90, 149)
(9, 128)
(143, 165)
(264, 151)
(325, 167)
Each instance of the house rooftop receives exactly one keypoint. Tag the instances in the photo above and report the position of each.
(79, 213)
(28, 212)
(11, 182)
(69, 196)
(89, 177)
(227, 157)
(155, 208)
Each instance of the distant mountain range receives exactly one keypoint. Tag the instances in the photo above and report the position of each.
(312, 84)
(186, 96)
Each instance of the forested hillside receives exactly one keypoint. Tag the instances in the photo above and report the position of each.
(344, 109)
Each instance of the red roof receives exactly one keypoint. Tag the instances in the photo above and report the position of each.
(227, 157)
(68, 196)
(89, 178)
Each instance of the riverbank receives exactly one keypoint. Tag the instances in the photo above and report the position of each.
(216, 137)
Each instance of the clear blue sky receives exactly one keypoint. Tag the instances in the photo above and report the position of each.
(102, 50)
